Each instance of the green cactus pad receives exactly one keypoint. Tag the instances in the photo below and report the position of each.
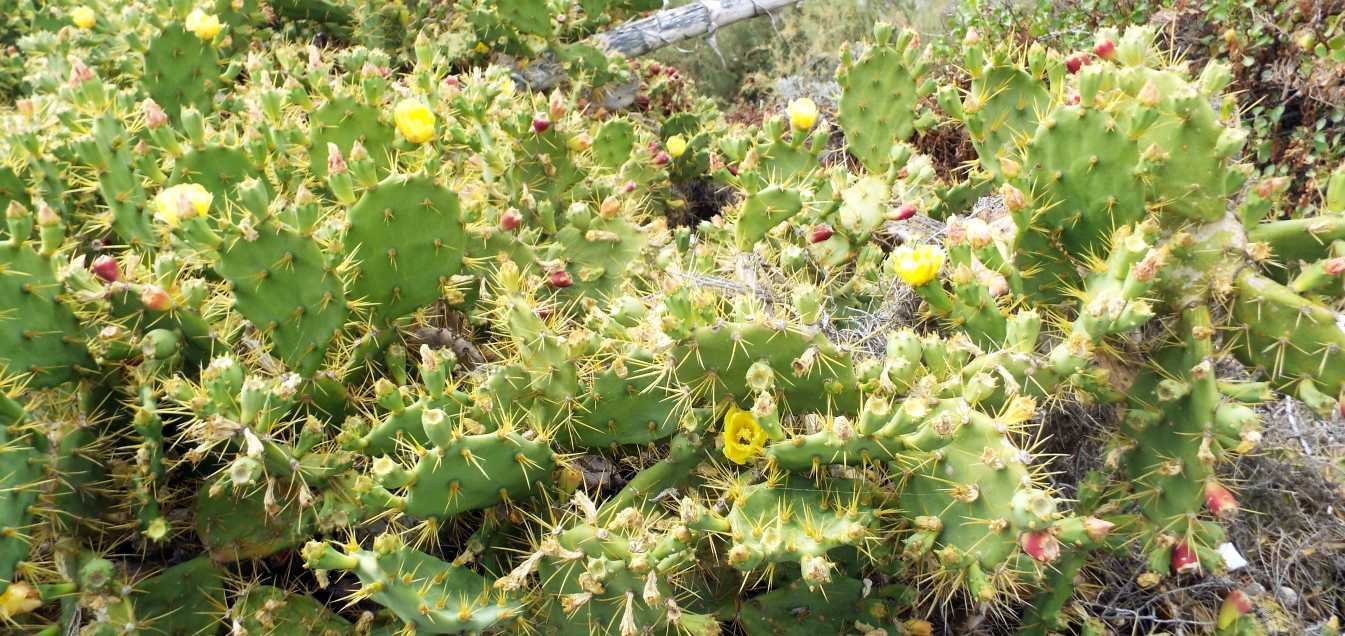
(544, 164)
(793, 519)
(1194, 180)
(181, 70)
(714, 361)
(1289, 336)
(218, 169)
(12, 189)
(408, 239)
(20, 452)
(764, 210)
(343, 121)
(796, 610)
(183, 600)
(275, 612)
(1082, 169)
(599, 256)
(1009, 102)
(633, 405)
(613, 144)
(432, 596)
(235, 527)
(605, 556)
(283, 284)
(39, 335)
(880, 98)
(969, 484)
(477, 471)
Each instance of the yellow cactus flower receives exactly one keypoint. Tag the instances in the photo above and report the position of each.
(414, 120)
(918, 265)
(205, 25)
(18, 599)
(802, 114)
(83, 17)
(743, 438)
(677, 145)
(182, 202)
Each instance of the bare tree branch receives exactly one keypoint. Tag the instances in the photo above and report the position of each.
(657, 30)
(671, 26)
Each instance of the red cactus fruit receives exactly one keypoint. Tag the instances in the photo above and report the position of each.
(822, 233)
(155, 298)
(1105, 49)
(510, 220)
(540, 123)
(1074, 63)
(1235, 605)
(560, 279)
(1221, 503)
(1040, 545)
(106, 268)
(1184, 559)
(905, 211)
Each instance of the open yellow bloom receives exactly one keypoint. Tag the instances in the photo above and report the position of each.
(414, 120)
(205, 25)
(676, 146)
(918, 265)
(182, 202)
(743, 438)
(19, 598)
(83, 17)
(802, 113)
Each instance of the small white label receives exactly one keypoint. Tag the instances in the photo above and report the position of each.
(1232, 558)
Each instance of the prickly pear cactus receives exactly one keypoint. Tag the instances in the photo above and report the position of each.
(319, 319)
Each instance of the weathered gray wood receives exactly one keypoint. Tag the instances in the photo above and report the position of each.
(657, 30)
(670, 26)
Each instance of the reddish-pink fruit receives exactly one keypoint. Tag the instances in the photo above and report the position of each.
(540, 123)
(1074, 63)
(1184, 559)
(1240, 601)
(906, 211)
(655, 68)
(1236, 604)
(822, 233)
(733, 169)
(629, 186)
(1097, 529)
(662, 158)
(155, 298)
(1105, 49)
(560, 279)
(510, 220)
(451, 80)
(1221, 503)
(1334, 266)
(642, 101)
(106, 268)
(1040, 545)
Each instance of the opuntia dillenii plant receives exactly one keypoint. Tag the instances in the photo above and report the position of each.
(381, 318)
